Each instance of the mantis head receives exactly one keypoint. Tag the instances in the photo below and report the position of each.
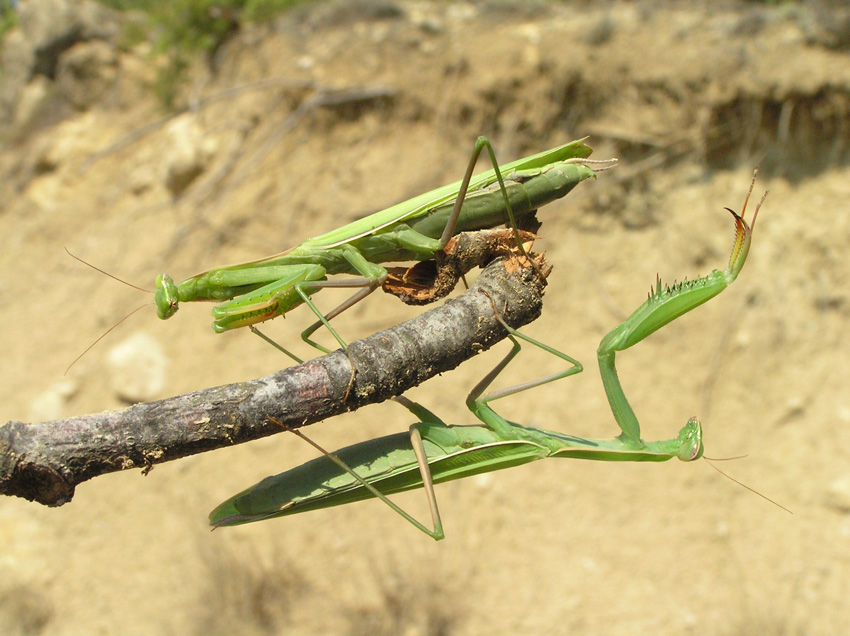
(743, 234)
(165, 297)
(690, 441)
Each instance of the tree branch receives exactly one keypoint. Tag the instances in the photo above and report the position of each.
(45, 461)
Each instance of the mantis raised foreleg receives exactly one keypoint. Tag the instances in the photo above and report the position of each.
(434, 452)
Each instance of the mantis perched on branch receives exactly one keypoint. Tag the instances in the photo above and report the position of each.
(413, 230)
(434, 452)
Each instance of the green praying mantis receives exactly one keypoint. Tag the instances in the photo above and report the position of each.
(434, 452)
(416, 229)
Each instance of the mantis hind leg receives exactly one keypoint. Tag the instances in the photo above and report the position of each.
(426, 418)
(481, 143)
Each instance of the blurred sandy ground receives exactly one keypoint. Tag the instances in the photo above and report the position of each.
(689, 99)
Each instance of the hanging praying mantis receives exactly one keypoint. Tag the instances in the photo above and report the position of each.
(416, 229)
(434, 452)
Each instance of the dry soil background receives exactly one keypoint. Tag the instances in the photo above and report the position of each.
(690, 100)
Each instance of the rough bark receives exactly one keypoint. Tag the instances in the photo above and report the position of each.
(45, 461)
